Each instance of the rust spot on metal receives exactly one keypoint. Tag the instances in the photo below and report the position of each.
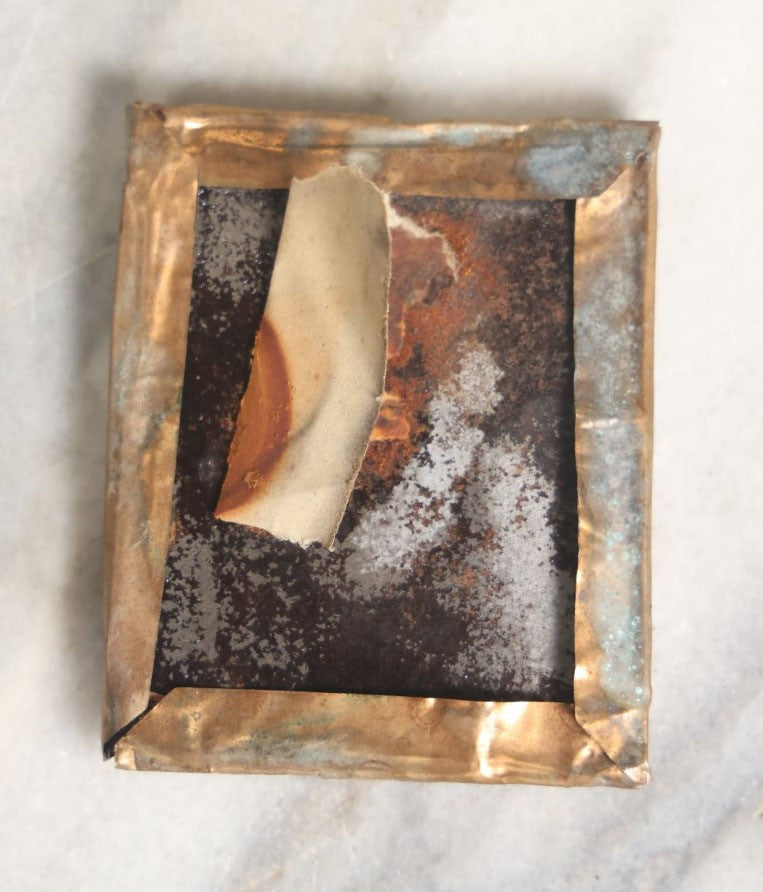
(419, 272)
(391, 423)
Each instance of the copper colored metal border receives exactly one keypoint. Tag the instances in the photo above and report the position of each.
(609, 168)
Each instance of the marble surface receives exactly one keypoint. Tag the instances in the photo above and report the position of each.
(67, 70)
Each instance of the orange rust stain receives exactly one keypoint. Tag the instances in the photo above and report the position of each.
(391, 423)
(262, 428)
(419, 271)
(431, 312)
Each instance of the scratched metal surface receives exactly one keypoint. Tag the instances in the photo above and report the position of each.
(454, 574)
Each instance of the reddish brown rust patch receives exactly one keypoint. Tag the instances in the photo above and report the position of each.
(428, 319)
(391, 423)
(262, 430)
(420, 272)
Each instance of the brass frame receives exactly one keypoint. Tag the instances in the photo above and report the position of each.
(609, 169)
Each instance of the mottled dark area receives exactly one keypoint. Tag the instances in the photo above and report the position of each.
(454, 571)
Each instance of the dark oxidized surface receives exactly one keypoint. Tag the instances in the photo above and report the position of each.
(455, 566)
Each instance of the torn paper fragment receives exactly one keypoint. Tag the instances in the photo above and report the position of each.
(318, 364)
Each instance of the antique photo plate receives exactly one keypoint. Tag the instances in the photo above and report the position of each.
(505, 645)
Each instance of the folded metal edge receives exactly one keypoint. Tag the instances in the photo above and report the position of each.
(613, 333)
(544, 159)
(367, 736)
(147, 361)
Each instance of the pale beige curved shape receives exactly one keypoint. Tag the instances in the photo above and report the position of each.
(318, 365)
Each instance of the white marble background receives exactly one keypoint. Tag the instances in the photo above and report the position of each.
(67, 71)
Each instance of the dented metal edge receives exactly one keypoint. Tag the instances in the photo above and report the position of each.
(221, 156)
(369, 736)
(613, 331)
(543, 159)
(146, 373)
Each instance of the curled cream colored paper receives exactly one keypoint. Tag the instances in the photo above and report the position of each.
(318, 364)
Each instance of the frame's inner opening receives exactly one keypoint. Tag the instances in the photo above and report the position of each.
(454, 572)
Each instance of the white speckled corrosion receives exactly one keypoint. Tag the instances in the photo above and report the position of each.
(502, 478)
